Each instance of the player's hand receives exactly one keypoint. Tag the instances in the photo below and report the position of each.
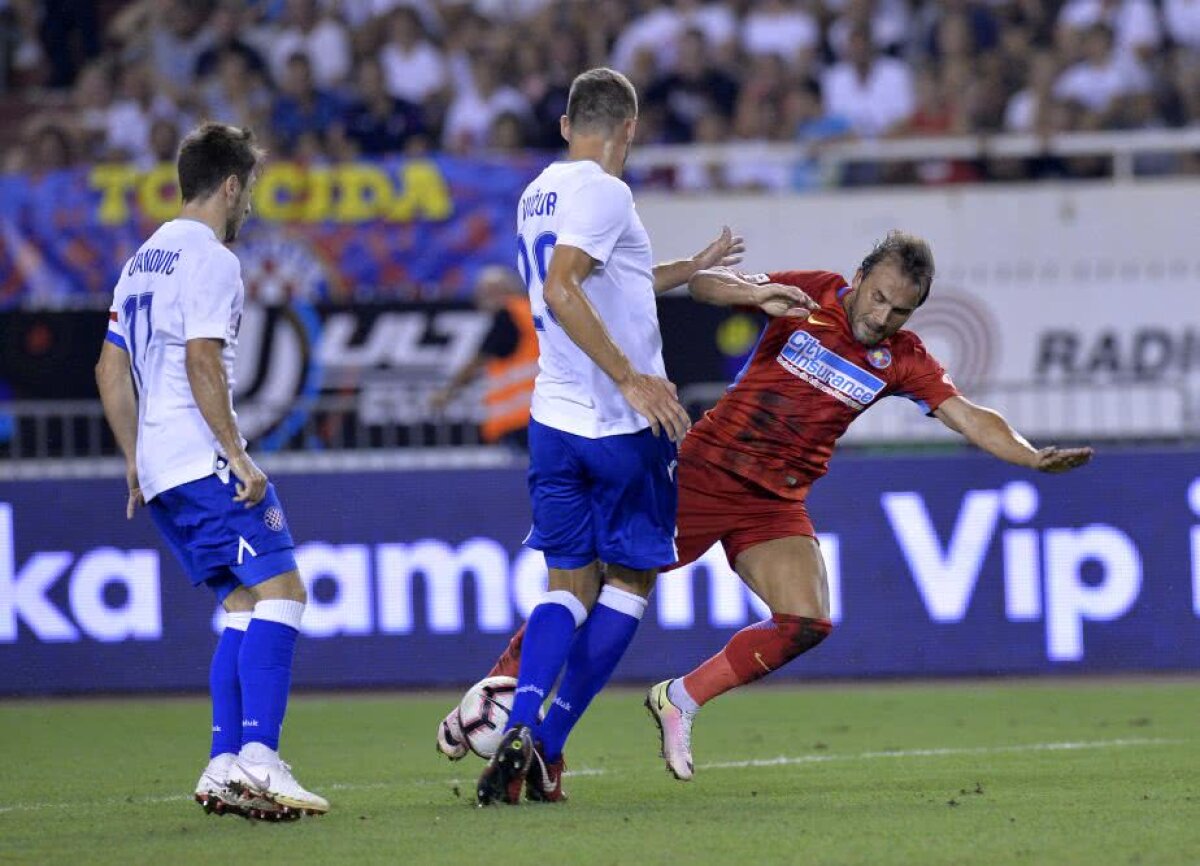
(1055, 460)
(726, 251)
(777, 299)
(657, 399)
(136, 500)
(251, 481)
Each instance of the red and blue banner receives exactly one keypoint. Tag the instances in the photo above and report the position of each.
(390, 229)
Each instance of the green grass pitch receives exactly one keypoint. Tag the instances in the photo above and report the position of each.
(1062, 772)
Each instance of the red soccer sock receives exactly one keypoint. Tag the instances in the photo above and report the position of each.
(510, 661)
(754, 652)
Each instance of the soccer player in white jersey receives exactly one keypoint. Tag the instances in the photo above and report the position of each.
(604, 425)
(165, 378)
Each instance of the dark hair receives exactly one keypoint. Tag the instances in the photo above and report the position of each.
(910, 253)
(600, 99)
(210, 154)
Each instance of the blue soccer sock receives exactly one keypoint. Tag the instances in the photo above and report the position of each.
(265, 669)
(548, 636)
(597, 649)
(224, 687)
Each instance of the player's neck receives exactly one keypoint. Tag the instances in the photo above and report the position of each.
(603, 151)
(206, 213)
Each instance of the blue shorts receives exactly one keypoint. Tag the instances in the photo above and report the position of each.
(220, 542)
(611, 499)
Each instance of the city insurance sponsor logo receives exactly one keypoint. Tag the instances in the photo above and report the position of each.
(369, 589)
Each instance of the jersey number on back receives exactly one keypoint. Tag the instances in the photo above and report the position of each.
(133, 305)
(539, 262)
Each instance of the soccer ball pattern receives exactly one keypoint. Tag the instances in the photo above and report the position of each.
(483, 713)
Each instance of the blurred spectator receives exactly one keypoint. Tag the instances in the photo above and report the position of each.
(654, 32)
(1027, 106)
(319, 37)
(301, 110)
(507, 135)
(1134, 23)
(70, 36)
(872, 92)
(473, 110)
(164, 142)
(25, 60)
(378, 123)
(236, 94)
(887, 22)
(1102, 78)
(91, 100)
(813, 128)
(178, 37)
(694, 88)
(1182, 18)
(781, 27)
(507, 360)
(51, 150)
(545, 83)
(228, 26)
(130, 117)
(414, 70)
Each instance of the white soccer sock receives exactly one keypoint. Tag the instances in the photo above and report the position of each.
(280, 610)
(569, 601)
(623, 601)
(239, 620)
(678, 695)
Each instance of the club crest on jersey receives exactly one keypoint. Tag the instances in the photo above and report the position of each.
(274, 518)
(879, 358)
(806, 358)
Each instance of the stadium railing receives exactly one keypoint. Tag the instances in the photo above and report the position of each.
(1122, 148)
(36, 434)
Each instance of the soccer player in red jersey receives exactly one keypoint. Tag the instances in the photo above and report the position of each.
(830, 351)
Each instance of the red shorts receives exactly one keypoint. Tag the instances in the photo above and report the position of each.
(717, 505)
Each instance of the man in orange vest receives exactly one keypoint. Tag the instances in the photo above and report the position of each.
(507, 359)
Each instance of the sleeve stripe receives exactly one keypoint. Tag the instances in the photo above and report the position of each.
(117, 340)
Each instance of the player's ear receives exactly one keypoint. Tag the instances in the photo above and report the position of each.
(564, 128)
(857, 281)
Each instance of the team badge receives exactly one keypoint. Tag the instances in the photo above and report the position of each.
(879, 358)
(274, 518)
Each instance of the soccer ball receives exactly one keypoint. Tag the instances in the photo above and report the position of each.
(483, 713)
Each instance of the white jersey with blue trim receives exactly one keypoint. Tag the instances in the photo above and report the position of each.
(580, 205)
(182, 284)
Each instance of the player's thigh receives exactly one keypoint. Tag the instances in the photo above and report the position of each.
(238, 600)
(583, 583)
(634, 500)
(560, 496)
(788, 574)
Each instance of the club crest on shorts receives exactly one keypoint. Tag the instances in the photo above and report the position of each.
(274, 518)
(879, 358)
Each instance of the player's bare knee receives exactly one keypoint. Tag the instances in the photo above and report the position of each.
(239, 601)
(637, 582)
(288, 587)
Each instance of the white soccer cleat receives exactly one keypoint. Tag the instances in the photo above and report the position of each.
(270, 792)
(213, 792)
(675, 731)
(451, 741)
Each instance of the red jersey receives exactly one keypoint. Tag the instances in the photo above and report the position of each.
(805, 382)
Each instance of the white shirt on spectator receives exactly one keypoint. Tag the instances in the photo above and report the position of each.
(657, 30)
(784, 34)
(413, 75)
(503, 11)
(1183, 21)
(127, 125)
(1095, 87)
(872, 106)
(327, 47)
(470, 115)
(715, 20)
(1135, 24)
(889, 26)
(1021, 111)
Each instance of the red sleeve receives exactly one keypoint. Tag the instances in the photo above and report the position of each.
(923, 380)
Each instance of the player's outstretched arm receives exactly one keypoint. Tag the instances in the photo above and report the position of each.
(653, 397)
(726, 251)
(723, 287)
(988, 429)
(115, 383)
(210, 389)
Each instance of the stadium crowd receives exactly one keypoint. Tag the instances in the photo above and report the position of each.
(343, 78)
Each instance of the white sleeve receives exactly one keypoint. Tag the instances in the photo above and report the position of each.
(597, 217)
(208, 304)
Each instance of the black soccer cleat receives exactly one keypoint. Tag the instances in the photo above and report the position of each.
(504, 776)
